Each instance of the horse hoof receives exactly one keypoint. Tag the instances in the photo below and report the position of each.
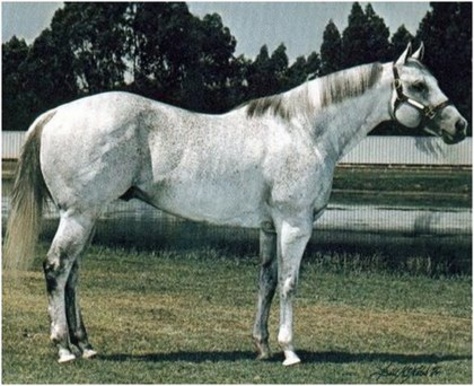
(291, 359)
(89, 354)
(66, 356)
(263, 356)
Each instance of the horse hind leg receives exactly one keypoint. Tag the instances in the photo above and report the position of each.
(71, 238)
(77, 330)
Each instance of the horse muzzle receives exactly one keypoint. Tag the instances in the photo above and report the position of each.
(449, 124)
(456, 135)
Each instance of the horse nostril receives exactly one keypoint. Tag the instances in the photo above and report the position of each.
(461, 125)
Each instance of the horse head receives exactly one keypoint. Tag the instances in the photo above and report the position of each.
(418, 102)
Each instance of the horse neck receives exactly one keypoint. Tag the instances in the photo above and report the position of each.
(339, 127)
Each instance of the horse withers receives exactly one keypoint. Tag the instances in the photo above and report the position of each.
(268, 164)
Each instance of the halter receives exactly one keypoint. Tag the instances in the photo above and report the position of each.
(428, 113)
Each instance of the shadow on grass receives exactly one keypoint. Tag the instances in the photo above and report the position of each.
(306, 357)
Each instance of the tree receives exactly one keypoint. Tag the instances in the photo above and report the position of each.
(279, 67)
(261, 80)
(331, 50)
(296, 74)
(54, 61)
(159, 45)
(400, 40)
(354, 38)
(302, 70)
(215, 64)
(36, 78)
(313, 66)
(377, 37)
(15, 110)
(179, 58)
(446, 31)
(94, 34)
(365, 40)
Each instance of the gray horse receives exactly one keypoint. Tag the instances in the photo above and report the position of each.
(268, 164)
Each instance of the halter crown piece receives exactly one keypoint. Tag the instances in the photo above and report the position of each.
(428, 113)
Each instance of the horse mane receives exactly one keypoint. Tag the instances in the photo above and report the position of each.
(274, 104)
(350, 83)
(333, 88)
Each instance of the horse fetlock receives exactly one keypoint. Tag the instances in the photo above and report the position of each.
(285, 339)
(263, 348)
(59, 336)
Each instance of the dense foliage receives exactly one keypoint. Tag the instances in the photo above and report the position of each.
(162, 51)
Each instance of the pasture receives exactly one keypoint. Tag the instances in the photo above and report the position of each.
(179, 315)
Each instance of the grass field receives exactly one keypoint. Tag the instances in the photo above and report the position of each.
(185, 316)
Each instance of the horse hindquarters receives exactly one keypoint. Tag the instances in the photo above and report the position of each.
(86, 164)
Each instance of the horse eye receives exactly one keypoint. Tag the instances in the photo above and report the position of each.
(419, 86)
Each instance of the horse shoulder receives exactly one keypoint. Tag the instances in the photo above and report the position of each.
(294, 167)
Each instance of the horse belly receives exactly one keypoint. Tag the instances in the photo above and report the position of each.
(237, 201)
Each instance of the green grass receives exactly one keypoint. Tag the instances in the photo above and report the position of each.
(185, 316)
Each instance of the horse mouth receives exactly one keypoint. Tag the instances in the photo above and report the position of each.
(448, 138)
(451, 139)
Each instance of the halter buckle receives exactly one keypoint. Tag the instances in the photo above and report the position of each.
(397, 84)
(430, 112)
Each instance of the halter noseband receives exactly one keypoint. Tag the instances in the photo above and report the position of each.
(428, 113)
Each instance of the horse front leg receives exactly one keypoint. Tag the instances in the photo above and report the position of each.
(77, 330)
(268, 280)
(292, 243)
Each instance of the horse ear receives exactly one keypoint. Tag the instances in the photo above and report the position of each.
(418, 55)
(403, 57)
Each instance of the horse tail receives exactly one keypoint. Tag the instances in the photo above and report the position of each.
(28, 196)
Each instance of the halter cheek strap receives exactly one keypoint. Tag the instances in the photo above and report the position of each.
(428, 113)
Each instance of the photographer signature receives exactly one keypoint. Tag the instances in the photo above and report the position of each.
(400, 374)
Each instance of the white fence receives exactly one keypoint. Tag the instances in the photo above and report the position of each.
(410, 151)
(372, 150)
(12, 141)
